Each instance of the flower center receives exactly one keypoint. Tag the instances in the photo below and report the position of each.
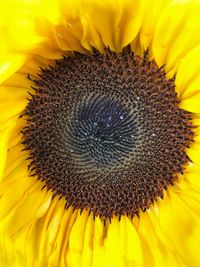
(101, 132)
(105, 132)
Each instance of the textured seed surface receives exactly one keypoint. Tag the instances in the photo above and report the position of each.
(105, 132)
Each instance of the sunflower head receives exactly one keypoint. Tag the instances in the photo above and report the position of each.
(101, 142)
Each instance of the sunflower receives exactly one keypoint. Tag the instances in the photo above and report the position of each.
(99, 133)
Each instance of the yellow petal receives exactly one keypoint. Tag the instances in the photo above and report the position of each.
(14, 160)
(178, 237)
(176, 32)
(113, 242)
(88, 242)
(98, 259)
(191, 175)
(152, 11)
(3, 151)
(156, 252)
(115, 15)
(5, 135)
(18, 26)
(29, 212)
(60, 243)
(124, 240)
(50, 10)
(49, 233)
(8, 93)
(131, 21)
(9, 256)
(12, 108)
(13, 194)
(188, 77)
(9, 64)
(194, 152)
(64, 253)
(23, 250)
(191, 103)
(75, 248)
